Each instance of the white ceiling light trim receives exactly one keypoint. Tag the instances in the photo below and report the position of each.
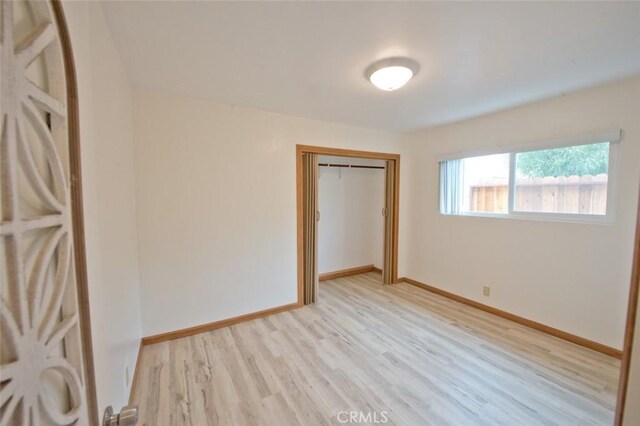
(391, 73)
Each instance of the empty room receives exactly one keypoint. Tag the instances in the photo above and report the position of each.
(319, 213)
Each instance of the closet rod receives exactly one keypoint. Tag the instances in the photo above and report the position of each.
(352, 166)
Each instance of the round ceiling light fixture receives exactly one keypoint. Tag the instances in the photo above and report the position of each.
(391, 73)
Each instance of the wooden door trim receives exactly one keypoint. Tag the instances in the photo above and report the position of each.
(632, 314)
(320, 150)
(75, 170)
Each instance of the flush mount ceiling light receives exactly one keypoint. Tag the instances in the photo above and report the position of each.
(391, 73)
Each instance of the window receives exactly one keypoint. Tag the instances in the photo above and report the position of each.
(572, 181)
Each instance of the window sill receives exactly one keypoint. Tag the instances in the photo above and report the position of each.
(544, 217)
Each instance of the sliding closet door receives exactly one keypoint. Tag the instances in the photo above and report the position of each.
(310, 231)
(389, 221)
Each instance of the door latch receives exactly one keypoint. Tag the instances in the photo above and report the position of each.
(128, 416)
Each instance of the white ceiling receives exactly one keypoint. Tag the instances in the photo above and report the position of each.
(307, 58)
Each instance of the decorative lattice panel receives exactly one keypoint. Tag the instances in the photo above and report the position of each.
(42, 378)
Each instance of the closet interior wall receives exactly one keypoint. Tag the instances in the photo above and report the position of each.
(350, 201)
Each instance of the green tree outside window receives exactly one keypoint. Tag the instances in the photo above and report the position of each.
(592, 159)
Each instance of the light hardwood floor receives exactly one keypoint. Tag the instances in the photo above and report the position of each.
(418, 357)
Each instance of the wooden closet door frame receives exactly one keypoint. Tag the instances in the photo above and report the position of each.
(302, 149)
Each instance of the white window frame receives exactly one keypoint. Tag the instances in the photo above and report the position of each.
(612, 137)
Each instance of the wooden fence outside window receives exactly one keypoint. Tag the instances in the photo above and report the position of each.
(585, 194)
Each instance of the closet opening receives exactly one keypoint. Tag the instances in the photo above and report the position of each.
(347, 214)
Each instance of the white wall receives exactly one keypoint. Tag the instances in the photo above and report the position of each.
(571, 276)
(106, 138)
(351, 227)
(216, 198)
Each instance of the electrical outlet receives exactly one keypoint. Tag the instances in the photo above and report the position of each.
(486, 290)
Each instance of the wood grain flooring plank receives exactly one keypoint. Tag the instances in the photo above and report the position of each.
(420, 358)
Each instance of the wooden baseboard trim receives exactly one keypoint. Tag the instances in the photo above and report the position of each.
(347, 272)
(171, 335)
(581, 341)
(136, 369)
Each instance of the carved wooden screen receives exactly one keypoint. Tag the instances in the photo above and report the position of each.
(44, 377)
